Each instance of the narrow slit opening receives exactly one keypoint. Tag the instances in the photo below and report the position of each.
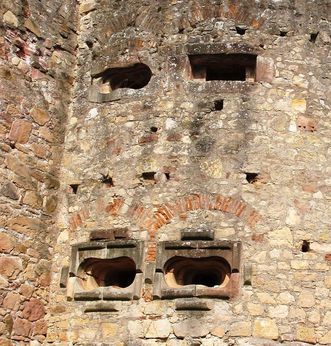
(252, 177)
(305, 246)
(74, 188)
(107, 180)
(313, 37)
(240, 31)
(218, 105)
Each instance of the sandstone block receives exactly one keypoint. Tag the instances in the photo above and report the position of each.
(109, 329)
(22, 327)
(327, 319)
(299, 264)
(241, 329)
(218, 331)
(255, 309)
(135, 329)
(265, 328)
(10, 267)
(305, 334)
(40, 328)
(281, 237)
(326, 338)
(10, 19)
(33, 199)
(33, 310)
(11, 301)
(327, 281)
(158, 329)
(306, 299)
(26, 290)
(39, 115)
(20, 131)
(10, 190)
(279, 311)
(191, 327)
(6, 243)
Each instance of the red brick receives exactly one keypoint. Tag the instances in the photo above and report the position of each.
(114, 207)
(20, 131)
(258, 237)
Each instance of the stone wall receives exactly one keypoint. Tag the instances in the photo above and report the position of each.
(37, 46)
(247, 160)
(197, 120)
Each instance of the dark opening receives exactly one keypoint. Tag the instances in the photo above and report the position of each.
(240, 31)
(167, 175)
(154, 129)
(148, 175)
(106, 179)
(134, 77)
(230, 67)
(305, 247)
(208, 271)
(74, 188)
(252, 177)
(313, 37)
(218, 105)
(283, 33)
(117, 272)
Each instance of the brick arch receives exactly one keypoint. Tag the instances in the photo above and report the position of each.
(152, 221)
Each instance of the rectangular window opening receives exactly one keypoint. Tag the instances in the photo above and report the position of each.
(227, 67)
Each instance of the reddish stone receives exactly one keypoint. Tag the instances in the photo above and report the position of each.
(306, 124)
(33, 310)
(328, 257)
(152, 137)
(257, 237)
(39, 115)
(20, 131)
(22, 327)
(6, 243)
(26, 290)
(10, 267)
(40, 328)
(11, 301)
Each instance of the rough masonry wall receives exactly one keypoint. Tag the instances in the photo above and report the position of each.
(37, 46)
(248, 159)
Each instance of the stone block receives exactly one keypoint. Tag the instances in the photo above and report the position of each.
(265, 328)
(305, 334)
(109, 329)
(10, 190)
(306, 299)
(10, 267)
(39, 115)
(241, 329)
(22, 327)
(6, 243)
(33, 310)
(33, 199)
(327, 319)
(281, 237)
(191, 327)
(11, 301)
(326, 338)
(20, 131)
(10, 19)
(159, 329)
